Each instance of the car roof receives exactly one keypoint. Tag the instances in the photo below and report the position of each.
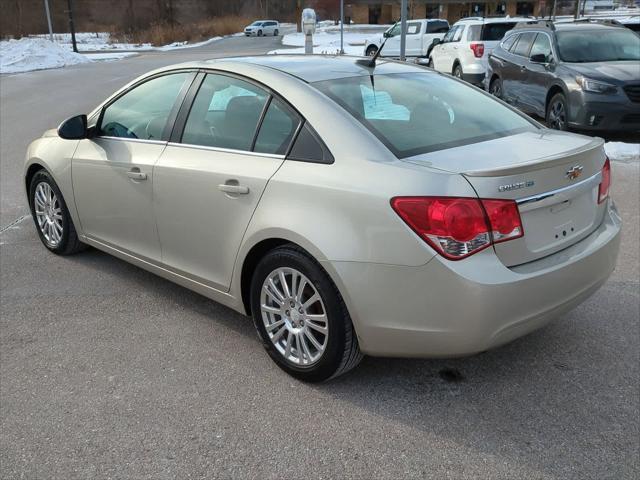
(316, 68)
(483, 20)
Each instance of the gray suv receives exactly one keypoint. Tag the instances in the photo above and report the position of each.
(582, 75)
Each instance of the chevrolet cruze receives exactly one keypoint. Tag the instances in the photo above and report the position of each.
(350, 207)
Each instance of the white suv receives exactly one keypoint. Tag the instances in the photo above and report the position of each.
(464, 50)
(262, 27)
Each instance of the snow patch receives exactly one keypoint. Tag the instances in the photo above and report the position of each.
(326, 40)
(29, 54)
(622, 151)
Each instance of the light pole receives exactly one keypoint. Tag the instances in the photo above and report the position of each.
(46, 9)
(403, 29)
(72, 27)
(341, 27)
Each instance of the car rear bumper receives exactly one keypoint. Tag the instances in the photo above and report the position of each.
(459, 308)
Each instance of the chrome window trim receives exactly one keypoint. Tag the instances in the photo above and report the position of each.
(225, 150)
(543, 199)
(135, 140)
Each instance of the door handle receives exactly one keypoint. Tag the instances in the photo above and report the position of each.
(233, 188)
(136, 174)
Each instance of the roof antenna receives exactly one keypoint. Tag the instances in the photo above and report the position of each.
(371, 62)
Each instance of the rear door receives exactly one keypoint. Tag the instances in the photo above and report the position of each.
(208, 181)
(539, 75)
(414, 38)
(518, 87)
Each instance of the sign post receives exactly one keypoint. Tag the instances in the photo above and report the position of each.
(403, 29)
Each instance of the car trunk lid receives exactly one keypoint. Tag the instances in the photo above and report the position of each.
(554, 178)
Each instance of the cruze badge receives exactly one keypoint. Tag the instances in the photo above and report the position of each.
(516, 186)
(574, 172)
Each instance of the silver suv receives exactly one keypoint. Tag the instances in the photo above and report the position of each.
(464, 50)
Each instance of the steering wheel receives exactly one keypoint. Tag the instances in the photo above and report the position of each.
(115, 129)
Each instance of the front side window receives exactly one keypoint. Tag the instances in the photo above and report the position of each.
(143, 112)
(395, 30)
(417, 113)
(457, 35)
(541, 45)
(524, 44)
(278, 127)
(615, 44)
(225, 113)
(449, 35)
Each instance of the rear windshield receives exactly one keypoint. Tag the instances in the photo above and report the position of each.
(594, 46)
(414, 113)
(489, 32)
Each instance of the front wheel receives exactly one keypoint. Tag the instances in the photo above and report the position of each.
(275, 33)
(557, 112)
(259, 33)
(301, 317)
(51, 216)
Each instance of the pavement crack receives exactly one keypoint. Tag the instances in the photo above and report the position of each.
(13, 224)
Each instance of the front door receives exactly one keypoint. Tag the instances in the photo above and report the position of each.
(208, 184)
(113, 171)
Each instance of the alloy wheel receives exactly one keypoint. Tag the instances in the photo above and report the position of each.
(557, 115)
(294, 316)
(48, 213)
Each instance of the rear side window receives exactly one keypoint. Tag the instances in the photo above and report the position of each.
(143, 111)
(308, 148)
(225, 113)
(413, 28)
(437, 26)
(278, 127)
(509, 41)
(524, 44)
(417, 113)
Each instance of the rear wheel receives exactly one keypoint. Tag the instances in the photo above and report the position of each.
(495, 88)
(301, 317)
(457, 71)
(557, 112)
(371, 50)
(51, 216)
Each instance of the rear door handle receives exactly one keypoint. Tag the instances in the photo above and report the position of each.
(233, 188)
(136, 174)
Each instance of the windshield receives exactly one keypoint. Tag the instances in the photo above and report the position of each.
(594, 46)
(256, 24)
(414, 113)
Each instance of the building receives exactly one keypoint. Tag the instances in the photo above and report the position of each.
(388, 11)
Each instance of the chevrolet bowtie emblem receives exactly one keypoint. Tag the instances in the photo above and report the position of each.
(574, 172)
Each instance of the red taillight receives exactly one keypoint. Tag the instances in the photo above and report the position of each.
(459, 227)
(605, 183)
(478, 49)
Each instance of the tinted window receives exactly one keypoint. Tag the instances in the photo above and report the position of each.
(277, 129)
(421, 112)
(309, 148)
(492, 32)
(437, 27)
(508, 42)
(225, 113)
(541, 45)
(598, 45)
(143, 112)
(523, 44)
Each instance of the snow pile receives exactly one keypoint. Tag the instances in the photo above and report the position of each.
(622, 151)
(327, 39)
(29, 54)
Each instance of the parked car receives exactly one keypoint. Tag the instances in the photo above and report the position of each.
(420, 36)
(261, 28)
(582, 75)
(242, 179)
(464, 50)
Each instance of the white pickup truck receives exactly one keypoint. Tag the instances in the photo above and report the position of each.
(420, 36)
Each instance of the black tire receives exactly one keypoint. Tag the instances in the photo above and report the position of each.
(457, 71)
(275, 32)
(371, 50)
(556, 115)
(69, 242)
(342, 352)
(259, 33)
(495, 87)
(430, 64)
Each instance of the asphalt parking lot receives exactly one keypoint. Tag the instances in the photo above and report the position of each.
(107, 371)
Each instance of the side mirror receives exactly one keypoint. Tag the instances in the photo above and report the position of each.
(386, 35)
(436, 41)
(538, 58)
(74, 128)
